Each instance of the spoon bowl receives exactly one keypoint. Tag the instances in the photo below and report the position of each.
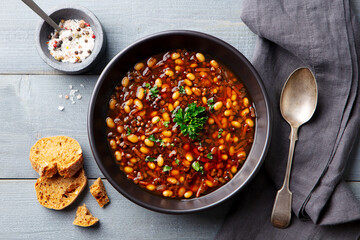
(299, 97)
(297, 105)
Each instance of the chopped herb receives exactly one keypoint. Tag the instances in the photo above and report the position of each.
(166, 123)
(163, 110)
(209, 156)
(220, 132)
(154, 92)
(191, 121)
(144, 91)
(147, 85)
(167, 168)
(177, 161)
(128, 131)
(182, 90)
(196, 166)
(210, 103)
(172, 144)
(161, 143)
(149, 159)
(153, 139)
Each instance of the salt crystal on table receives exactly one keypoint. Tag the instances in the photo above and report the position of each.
(78, 96)
(60, 95)
(70, 86)
(82, 85)
(61, 108)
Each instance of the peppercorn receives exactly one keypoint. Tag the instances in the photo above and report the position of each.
(86, 40)
(76, 52)
(82, 25)
(70, 38)
(78, 29)
(89, 51)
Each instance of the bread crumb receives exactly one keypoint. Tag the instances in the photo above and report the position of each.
(84, 218)
(99, 192)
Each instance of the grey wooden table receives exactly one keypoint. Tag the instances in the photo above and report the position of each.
(29, 98)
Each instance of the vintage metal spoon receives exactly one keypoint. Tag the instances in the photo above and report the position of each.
(297, 105)
(31, 4)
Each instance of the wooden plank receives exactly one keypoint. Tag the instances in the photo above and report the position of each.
(124, 22)
(24, 218)
(28, 111)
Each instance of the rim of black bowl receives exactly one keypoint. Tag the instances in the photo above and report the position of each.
(87, 63)
(236, 188)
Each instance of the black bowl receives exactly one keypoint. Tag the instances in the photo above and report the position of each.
(71, 12)
(159, 43)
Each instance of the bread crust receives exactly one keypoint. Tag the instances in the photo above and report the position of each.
(59, 154)
(58, 192)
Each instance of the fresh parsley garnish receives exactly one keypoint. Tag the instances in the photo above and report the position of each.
(147, 85)
(177, 161)
(149, 159)
(209, 156)
(172, 144)
(182, 90)
(167, 168)
(166, 123)
(154, 91)
(162, 143)
(191, 121)
(196, 166)
(210, 103)
(128, 131)
(220, 132)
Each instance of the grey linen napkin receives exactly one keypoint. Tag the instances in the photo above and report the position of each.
(321, 35)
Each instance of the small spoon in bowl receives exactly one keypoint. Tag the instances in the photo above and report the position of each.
(297, 105)
(31, 4)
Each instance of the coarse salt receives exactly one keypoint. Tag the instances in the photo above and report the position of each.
(73, 43)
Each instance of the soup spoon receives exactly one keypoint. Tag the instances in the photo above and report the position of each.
(31, 4)
(297, 105)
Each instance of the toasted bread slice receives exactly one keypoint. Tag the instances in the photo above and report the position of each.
(58, 192)
(58, 154)
(84, 218)
(99, 193)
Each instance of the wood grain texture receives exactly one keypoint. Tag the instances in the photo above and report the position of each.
(121, 219)
(29, 100)
(123, 22)
(29, 111)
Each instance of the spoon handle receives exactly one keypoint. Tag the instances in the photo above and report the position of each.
(31, 4)
(281, 213)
